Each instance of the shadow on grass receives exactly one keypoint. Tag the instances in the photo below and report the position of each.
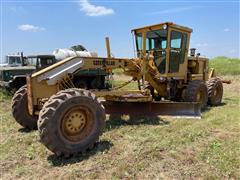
(116, 121)
(222, 104)
(231, 101)
(101, 146)
(24, 130)
(208, 108)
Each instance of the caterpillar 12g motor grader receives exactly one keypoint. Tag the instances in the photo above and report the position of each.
(70, 120)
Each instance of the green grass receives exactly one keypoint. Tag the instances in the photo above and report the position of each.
(130, 86)
(226, 66)
(4, 95)
(135, 148)
(118, 71)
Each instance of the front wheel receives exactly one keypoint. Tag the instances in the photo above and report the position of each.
(20, 109)
(71, 122)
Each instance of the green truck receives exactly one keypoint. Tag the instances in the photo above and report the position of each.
(16, 67)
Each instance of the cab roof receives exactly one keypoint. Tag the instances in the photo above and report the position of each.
(13, 55)
(41, 56)
(171, 24)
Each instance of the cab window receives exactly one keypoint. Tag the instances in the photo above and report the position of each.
(32, 61)
(176, 39)
(14, 60)
(139, 41)
(49, 61)
(177, 50)
(157, 43)
(156, 40)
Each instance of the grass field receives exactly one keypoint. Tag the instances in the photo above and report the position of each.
(141, 148)
(226, 66)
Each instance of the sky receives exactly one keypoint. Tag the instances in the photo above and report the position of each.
(41, 26)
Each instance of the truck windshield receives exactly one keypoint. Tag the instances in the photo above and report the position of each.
(14, 60)
(32, 61)
(155, 40)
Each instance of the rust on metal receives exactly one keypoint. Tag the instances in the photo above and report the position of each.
(29, 95)
(77, 123)
(131, 97)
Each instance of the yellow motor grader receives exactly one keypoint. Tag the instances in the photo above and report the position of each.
(70, 120)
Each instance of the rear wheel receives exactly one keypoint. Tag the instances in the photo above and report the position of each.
(71, 122)
(20, 109)
(215, 91)
(196, 92)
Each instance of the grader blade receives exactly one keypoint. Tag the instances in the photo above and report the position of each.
(172, 109)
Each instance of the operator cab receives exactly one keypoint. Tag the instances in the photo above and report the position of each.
(168, 43)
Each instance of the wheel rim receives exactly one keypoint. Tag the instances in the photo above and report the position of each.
(77, 124)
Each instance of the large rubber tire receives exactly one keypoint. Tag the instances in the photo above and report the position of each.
(215, 91)
(54, 116)
(195, 89)
(20, 109)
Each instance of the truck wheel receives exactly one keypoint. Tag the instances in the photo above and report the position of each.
(196, 92)
(215, 91)
(20, 109)
(71, 121)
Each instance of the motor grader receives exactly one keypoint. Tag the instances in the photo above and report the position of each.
(70, 120)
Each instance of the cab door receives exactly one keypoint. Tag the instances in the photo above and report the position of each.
(178, 49)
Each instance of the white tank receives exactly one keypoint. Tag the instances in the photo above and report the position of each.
(61, 54)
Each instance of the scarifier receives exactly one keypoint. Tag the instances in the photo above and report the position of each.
(70, 120)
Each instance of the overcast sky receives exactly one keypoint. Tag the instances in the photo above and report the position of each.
(41, 26)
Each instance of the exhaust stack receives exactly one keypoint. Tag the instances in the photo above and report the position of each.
(192, 52)
(108, 47)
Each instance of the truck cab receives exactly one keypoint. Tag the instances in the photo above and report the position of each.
(13, 60)
(41, 61)
(13, 73)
